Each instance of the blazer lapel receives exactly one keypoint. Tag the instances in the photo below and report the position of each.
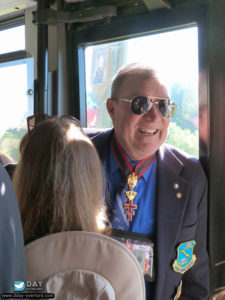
(102, 138)
(172, 195)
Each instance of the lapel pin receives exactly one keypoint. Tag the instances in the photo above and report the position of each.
(176, 186)
(179, 195)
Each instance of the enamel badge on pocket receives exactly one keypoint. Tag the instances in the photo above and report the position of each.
(185, 257)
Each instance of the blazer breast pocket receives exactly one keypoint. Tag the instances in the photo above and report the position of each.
(187, 233)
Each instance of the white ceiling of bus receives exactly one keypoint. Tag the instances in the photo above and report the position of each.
(13, 7)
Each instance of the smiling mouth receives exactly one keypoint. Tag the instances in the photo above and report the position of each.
(147, 131)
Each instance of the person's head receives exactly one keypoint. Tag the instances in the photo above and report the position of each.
(140, 134)
(58, 180)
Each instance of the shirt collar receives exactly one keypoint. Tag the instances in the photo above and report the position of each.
(113, 166)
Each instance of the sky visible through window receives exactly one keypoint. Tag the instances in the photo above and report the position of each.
(13, 78)
(170, 53)
(12, 39)
(173, 54)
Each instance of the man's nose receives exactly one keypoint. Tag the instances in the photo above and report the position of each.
(153, 113)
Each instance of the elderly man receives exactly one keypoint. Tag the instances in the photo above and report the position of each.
(155, 189)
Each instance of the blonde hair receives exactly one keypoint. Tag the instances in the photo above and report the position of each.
(58, 181)
(131, 70)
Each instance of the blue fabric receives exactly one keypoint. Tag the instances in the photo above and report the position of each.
(145, 218)
(119, 219)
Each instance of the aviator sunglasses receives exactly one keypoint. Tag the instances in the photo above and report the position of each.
(142, 104)
(34, 120)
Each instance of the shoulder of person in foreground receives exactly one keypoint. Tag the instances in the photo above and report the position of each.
(12, 261)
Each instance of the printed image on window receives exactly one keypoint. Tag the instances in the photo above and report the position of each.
(174, 55)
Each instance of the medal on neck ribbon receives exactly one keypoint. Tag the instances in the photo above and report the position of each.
(133, 175)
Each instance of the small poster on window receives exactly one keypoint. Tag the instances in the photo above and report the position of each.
(100, 58)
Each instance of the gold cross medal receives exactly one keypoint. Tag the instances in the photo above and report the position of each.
(132, 182)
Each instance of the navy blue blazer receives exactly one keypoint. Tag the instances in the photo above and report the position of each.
(181, 217)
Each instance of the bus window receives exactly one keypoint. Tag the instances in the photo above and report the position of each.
(174, 54)
(16, 93)
(12, 39)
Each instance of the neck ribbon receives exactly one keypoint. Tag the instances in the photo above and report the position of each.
(132, 174)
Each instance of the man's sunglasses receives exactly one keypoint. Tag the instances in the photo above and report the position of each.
(142, 104)
(34, 120)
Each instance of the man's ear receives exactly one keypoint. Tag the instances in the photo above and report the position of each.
(110, 105)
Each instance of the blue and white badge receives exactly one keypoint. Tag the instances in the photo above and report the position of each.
(185, 257)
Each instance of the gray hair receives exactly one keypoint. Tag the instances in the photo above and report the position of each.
(130, 70)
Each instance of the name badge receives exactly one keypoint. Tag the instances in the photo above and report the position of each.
(142, 247)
